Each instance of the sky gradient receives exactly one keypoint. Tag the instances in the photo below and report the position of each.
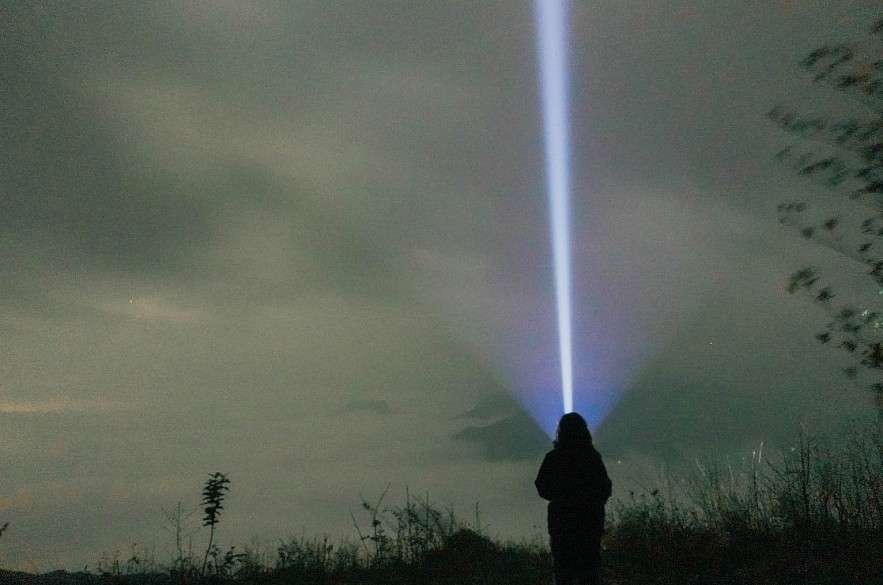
(306, 244)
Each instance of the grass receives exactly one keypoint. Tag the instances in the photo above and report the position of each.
(813, 515)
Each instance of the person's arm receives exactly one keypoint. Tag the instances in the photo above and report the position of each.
(606, 484)
(603, 486)
(545, 482)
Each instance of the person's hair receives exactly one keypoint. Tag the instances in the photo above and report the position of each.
(572, 431)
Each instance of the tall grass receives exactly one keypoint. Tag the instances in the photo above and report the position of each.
(811, 515)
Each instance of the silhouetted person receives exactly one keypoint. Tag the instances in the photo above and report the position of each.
(574, 480)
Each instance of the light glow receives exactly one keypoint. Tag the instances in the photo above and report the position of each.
(552, 37)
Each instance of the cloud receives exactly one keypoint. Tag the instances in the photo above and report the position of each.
(512, 435)
(492, 406)
(63, 404)
(151, 309)
(515, 438)
(375, 406)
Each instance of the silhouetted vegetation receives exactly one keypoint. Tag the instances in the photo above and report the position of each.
(813, 514)
(216, 486)
(841, 153)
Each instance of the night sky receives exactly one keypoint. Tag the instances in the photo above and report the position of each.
(306, 244)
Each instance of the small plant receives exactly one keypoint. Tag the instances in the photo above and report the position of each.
(212, 499)
(177, 521)
(114, 567)
(405, 534)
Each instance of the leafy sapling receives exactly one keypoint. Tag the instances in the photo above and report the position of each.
(212, 499)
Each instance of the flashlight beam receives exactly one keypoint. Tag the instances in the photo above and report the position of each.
(552, 34)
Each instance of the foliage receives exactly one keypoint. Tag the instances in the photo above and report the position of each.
(177, 521)
(814, 514)
(843, 154)
(212, 499)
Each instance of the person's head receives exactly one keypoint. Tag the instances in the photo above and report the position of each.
(572, 431)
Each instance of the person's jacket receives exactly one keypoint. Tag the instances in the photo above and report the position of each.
(574, 480)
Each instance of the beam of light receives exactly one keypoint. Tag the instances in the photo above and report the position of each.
(552, 36)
